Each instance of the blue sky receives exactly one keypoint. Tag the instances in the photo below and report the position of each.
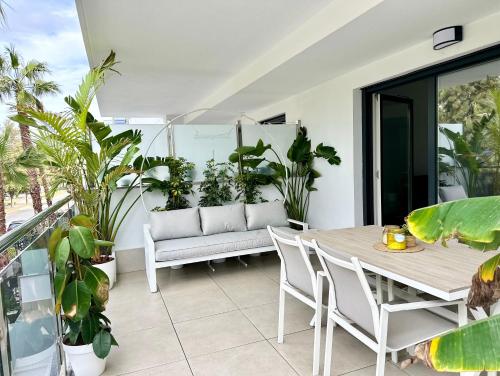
(47, 30)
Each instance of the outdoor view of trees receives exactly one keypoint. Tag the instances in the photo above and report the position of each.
(470, 154)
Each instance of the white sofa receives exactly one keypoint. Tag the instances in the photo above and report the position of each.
(179, 237)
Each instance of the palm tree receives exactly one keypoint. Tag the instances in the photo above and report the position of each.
(11, 169)
(24, 84)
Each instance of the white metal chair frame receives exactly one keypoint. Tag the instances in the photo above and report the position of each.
(380, 317)
(286, 287)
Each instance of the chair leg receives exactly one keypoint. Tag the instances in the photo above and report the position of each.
(394, 357)
(281, 316)
(382, 343)
(317, 325)
(328, 347)
(151, 275)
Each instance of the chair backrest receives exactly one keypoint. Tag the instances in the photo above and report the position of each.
(351, 293)
(452, 193)
(296, 267)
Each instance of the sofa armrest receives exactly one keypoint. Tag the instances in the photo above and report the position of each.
(305, 225)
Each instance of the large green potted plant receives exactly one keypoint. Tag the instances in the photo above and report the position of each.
(294, 178)
(475, 222)
(82, 292)
(87, 158)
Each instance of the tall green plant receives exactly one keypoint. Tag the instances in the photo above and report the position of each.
(216, 187)
(475, 222)
(493, 139)
(90, 171)
(81, 290)
(299, 169)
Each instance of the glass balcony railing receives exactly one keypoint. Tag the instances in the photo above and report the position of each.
(29, 328)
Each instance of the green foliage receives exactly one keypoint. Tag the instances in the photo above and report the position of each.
(476, 222)
(216, 187)
(92, 176)
(81, 290)
(294, 178)
(178, 185)
(250, 178)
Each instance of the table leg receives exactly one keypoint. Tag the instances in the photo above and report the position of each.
(379, 290)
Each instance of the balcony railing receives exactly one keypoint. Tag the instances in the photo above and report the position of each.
(29, 328)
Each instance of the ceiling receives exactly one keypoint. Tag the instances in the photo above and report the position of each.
(240, 55)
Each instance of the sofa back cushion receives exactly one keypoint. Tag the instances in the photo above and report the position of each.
(218, 219)
(173, 224)
(267, 213)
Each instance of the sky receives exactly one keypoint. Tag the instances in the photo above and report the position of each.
(49, 31)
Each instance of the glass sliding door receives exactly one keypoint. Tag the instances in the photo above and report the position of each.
(396, 118)
(468, 108)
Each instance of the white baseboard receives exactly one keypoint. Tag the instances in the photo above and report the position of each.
(130, 260)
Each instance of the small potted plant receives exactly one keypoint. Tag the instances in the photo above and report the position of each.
(82, 292)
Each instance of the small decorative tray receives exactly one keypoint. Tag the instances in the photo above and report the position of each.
(383, 248)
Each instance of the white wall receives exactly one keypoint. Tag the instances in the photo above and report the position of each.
(332, 114)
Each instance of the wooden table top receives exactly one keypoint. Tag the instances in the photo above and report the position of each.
(443, 269)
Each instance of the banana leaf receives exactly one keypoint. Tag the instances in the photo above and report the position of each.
(474, 347)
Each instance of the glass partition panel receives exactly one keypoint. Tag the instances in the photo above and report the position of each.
(31, 329)
(469, 132)
(200, 142)
(280, 136)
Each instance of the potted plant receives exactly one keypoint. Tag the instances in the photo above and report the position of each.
(299, 169)
(177, 186)
(82, 292)
(216, 187)
(92, 175)
(475, 222)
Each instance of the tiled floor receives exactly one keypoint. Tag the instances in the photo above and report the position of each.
(203, 323)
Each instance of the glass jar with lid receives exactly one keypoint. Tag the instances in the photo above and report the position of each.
(396, 239)
(387, 228)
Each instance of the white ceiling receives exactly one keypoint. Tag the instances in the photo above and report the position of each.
(239, 55)
(173, 53)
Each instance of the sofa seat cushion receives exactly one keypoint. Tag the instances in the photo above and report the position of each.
(222, 219)
(177, 249)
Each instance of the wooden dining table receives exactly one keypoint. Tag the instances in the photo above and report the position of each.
(441, 271)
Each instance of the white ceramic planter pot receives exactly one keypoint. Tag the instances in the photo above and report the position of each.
(39, 364)
(83, 361)
(110, 269)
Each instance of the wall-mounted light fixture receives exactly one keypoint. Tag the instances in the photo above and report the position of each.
(447, 36)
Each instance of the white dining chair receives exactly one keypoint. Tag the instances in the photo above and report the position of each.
(298, 278)
(383, 328)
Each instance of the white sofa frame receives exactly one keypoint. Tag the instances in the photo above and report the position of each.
(152, 264)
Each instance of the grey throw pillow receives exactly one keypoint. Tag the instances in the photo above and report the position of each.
(455, 192)
(266, 214)
(173, 224)
(218, 219)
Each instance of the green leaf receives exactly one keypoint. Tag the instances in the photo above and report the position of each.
(103, 243)
(60, 280)
(74, 330)
(474, 221)
(329, 153)
(54, 239)
(474, 347)
(99, 130)
(82, 220)
(102, 344)
(76, 300)
(90, 327)
(98, 282)
(62, 253)
(82, 241)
